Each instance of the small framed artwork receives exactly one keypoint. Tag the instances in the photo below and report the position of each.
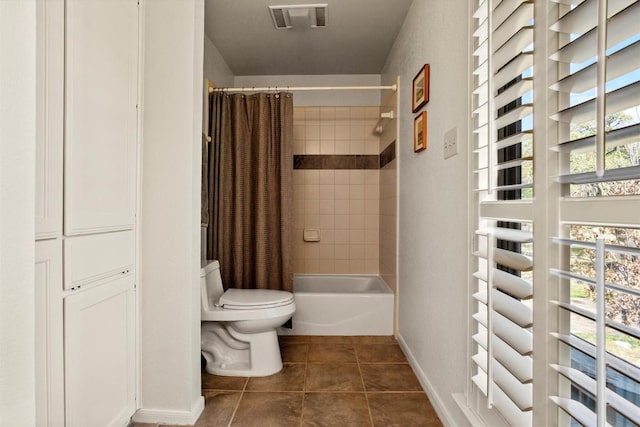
(421, 88)
(420, 132)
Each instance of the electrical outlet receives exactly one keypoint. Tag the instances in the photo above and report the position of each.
(451, 143)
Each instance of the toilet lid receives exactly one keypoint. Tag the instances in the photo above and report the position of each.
(250, 299)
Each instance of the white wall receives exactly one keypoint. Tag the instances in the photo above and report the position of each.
(321, 98)
(215, 67)
(170, 222)
(433, 201)
(17, 211)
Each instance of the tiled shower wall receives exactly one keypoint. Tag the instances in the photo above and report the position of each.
(344, 204)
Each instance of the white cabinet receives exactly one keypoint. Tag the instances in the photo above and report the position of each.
(48, 341)
(101, 92)
(99, 354)
(49, 133)
(100, 144)
(85, 212)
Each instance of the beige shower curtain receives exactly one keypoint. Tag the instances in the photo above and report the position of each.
(249, 183)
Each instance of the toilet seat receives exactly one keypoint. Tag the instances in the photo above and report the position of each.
(253, 299)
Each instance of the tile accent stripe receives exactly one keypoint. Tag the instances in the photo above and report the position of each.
(345, 161)
(330, 161)
(388, 154)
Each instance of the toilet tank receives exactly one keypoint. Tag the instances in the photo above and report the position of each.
(210, 283)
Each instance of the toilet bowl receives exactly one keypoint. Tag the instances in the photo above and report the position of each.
(238, 332)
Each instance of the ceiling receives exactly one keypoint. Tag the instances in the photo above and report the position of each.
(357, 40)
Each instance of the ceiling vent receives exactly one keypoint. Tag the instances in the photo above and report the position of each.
(299, 16)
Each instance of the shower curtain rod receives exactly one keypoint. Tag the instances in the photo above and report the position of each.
(299, 88)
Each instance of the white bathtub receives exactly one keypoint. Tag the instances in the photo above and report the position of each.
(341, 305)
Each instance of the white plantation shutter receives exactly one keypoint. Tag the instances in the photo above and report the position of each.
(584, 218)
(504, 340)
(593, 373)
(502, 150)
(598, 92)
(578, 85)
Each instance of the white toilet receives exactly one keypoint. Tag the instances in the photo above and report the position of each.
(238, 333)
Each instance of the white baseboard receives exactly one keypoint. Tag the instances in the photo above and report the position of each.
(174, 417)
(472, 417)
(433, 396)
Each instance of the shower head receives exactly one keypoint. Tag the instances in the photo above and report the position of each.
(379, 128)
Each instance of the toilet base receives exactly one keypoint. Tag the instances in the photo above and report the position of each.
(232, 353)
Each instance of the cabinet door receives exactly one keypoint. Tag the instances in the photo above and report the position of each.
(100, 354)
(49, 350)
(101, 90)
(50, 103)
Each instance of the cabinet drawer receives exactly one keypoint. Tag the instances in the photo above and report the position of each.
(89, 259)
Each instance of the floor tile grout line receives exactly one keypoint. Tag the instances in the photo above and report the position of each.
(364, 388)
(326, 392)
(304, 378)
(304, 386)
(304, 396)
(384, 363)
(235, 410)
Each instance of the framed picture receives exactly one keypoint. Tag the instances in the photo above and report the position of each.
(420, 132)
(421, 88)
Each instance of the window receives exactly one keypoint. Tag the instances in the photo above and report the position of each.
(572, 106)
(598, 141)
(620, 285)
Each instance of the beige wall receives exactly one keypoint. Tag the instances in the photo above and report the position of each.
(433, 202)
(322, 98)
(215, 67)
(342, 204)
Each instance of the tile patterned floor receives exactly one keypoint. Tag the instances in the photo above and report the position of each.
(325, 381)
